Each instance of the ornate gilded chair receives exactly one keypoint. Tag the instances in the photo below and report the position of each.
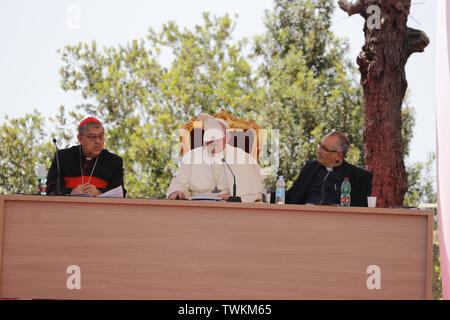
(246, 135)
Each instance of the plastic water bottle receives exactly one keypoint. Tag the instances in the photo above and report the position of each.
(281, 190)
(268, 194)
(42, 179)
(346, 189)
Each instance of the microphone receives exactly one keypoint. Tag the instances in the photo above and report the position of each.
(322, 192)
(233, 198)
(59, 191)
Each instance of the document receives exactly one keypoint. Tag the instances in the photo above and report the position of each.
(114, 193)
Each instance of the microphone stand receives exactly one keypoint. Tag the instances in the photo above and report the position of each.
(234, 198)
(59, 184)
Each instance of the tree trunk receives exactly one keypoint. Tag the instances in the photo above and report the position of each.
(389, 43)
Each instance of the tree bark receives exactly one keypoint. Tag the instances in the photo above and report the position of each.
(382, 65)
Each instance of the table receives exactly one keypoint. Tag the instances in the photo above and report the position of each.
(162, 249)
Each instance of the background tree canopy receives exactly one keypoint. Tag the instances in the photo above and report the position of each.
(294, 78)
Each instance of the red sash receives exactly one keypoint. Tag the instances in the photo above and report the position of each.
(73, 182)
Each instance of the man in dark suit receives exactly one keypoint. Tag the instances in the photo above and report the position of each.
(320, 180)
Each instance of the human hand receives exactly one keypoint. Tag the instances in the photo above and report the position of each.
(224, 196)
(91, 189)
(78, 189)
(86, 189)
(177, 195)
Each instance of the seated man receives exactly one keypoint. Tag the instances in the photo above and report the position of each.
(329, 171)
(87, 168)
(203, 173)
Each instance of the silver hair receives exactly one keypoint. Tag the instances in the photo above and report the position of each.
(343, 141)
(87, 126)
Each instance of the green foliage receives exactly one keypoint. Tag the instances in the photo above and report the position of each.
(408, 123)
(421, 183)
(436, 274)
(23, 147)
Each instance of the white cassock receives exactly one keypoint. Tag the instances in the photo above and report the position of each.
(200, 173)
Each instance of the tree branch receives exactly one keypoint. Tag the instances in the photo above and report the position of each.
(352, 8)
(417, 40)
(400, 6)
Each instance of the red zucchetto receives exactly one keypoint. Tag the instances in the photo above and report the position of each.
(89, 120)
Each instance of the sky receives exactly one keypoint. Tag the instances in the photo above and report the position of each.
(31, 32)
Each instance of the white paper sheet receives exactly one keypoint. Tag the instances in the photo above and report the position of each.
(114, 193)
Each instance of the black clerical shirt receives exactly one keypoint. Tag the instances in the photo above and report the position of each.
(332, 186)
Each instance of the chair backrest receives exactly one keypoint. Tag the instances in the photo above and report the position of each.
(246, 135)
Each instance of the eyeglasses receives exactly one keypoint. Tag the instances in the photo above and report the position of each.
(322, 147)
(93, 137)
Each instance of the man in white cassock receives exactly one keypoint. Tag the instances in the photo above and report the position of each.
(203, 173)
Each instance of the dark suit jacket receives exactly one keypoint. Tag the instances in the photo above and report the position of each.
(360, 181)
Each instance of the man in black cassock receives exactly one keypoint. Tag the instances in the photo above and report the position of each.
(87, 168)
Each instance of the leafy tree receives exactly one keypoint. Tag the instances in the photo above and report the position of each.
(22, 148)
(421, 182)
